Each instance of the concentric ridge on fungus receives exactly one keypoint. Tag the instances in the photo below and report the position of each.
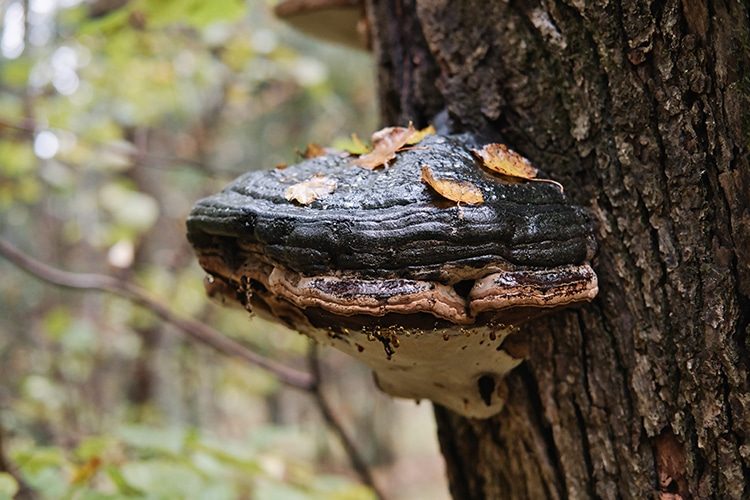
(384, 259)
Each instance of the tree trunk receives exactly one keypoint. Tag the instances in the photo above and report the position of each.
(641, 109)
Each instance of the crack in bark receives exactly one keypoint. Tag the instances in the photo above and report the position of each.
(544, 428)
(581, 422)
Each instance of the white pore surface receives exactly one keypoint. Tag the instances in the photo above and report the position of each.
(443, 366)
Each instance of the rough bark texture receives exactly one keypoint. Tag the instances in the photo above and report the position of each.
(640, 109)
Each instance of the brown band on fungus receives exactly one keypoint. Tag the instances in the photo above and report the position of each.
(542, 288)
(344, 294)
(348, 296)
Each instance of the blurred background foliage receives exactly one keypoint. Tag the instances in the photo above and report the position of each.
(115, 116)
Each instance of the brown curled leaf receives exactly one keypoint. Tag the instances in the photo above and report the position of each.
(313, 151)
(310, 190)
(418, 135)
(458, 191)
(385, 144)
(501, 159)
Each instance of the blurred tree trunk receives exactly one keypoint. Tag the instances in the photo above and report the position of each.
(641, 109)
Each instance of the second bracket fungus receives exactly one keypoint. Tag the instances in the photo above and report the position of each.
(381, 264)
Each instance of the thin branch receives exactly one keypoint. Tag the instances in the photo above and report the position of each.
(194, 329)
(310, 382)
(332, 421)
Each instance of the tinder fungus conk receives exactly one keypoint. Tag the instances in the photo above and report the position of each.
(382, 264)
(339, 21)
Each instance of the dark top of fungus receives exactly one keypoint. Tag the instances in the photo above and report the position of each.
(386, 223)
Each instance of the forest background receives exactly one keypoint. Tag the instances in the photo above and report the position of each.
(114, 118)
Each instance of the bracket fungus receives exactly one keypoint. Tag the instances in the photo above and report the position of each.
(338, 21)
(422, 289)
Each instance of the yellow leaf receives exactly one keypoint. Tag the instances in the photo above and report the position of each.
(417, 136)
(385, 144)
(458, 191)
(352, 145)
(503, 160)
(310, 190)
(359, 145)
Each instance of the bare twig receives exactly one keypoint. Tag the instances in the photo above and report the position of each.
(310, 382)
(194, 329)
(332, 421)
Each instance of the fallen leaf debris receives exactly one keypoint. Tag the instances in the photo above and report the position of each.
(313, 151)
(454, 190)
(385, 144)
(502, 160)
(308, 191)
(418, 135)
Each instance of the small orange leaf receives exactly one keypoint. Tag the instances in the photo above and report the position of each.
(310, 190)
(417, 136)
(503, 160)
(313, 151)
(385, 144)
(85, 472)
(458, 191)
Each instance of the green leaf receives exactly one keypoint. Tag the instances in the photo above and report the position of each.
(164, 479)
(197, 13)
(133, 209)
(108, 24)
(8, 486)
(44, 469)
(57, 321)
(269, 490)
(122, 484)
(95, 446)
(202, 13)
(340, 488)
(165, 440)
(17, 158)
(237, 460)
(16, 73)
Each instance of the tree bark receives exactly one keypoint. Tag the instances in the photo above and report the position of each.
(640, 108)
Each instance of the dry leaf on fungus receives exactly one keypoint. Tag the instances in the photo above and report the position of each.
(458, 191)
(313, 151)
(353, 145)
(385, 144)
(310, 190)
(503, 160)
(418, 135)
